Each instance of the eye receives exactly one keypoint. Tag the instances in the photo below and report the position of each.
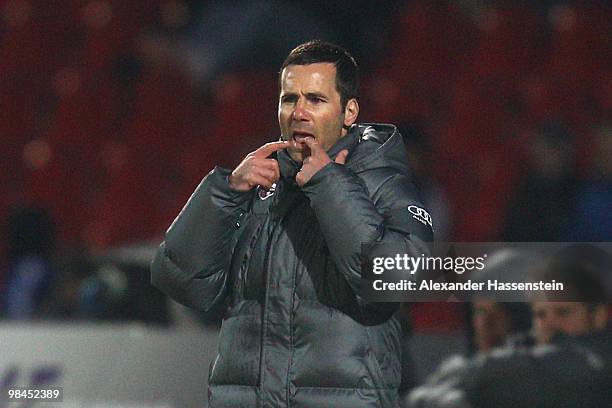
(316, 100)
(288, 98)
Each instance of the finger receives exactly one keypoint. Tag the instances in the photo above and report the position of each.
(270, 164)
(259, 180)
(341, 157)
(276, 169)
(268, 174)
(314, 146)
(269, 148)
(267, 163)
(300, 179)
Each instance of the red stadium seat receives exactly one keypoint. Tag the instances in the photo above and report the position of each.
(429, 42)
(437, 317)
(510, 41)
(238, 124)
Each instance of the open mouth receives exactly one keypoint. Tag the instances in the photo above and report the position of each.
(299, 136)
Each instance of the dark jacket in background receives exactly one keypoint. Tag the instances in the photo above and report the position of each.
(297, 332)
(572, 372)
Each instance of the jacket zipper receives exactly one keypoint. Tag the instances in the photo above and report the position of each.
(272, 227)
(291, 333)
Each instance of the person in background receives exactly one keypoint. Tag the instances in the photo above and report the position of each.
(542, 206)
(571, 364)
(31, 272)
(592, 215)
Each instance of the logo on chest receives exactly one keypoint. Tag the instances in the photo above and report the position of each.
(264, 193)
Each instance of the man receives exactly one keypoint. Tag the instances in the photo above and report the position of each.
(496, 323)
(567, 318)
(279, 239)
(571, 364)
(582, 307)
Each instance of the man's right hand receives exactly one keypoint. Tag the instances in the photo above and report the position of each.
(256, 169)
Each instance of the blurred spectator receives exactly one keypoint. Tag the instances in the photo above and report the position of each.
(574, 372)
(582, 307)
(492, 323)
(592, 215)
(116, 288)
(542, 206)
(31, 271)
(567, 318)
(73, 265)
(231, 35)
(572, 369)
(101, 295)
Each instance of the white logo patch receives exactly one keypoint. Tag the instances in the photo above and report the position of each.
(265, 194)
(420, 215)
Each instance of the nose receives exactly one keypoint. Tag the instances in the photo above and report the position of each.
(299, 112)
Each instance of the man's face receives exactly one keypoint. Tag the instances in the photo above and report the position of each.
(570, 318)
(309, 105)
(491, 324)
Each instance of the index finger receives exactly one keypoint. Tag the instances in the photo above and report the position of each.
(313, 145)
(269, 148)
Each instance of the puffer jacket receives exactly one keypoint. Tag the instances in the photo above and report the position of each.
(297, 332)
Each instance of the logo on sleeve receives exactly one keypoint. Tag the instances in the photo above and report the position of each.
(420, 215)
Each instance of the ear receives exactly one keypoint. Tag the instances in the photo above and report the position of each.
(351, 111)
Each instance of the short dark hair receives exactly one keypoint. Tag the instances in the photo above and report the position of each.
(316, 51)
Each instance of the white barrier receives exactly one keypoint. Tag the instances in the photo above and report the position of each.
(103, 365)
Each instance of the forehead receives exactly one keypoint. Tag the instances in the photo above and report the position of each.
(318, 77)
(487, 305)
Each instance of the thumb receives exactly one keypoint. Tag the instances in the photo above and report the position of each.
(341, 157)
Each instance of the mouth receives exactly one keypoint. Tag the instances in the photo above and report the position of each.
(299, 135)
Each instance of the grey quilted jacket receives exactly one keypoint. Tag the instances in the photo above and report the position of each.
(297, 332)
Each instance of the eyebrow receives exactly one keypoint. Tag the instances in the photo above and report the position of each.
(308, 95)
(316, 95)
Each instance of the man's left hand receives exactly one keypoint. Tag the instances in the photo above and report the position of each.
(316, 161)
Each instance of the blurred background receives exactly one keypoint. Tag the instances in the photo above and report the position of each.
(111, 112)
